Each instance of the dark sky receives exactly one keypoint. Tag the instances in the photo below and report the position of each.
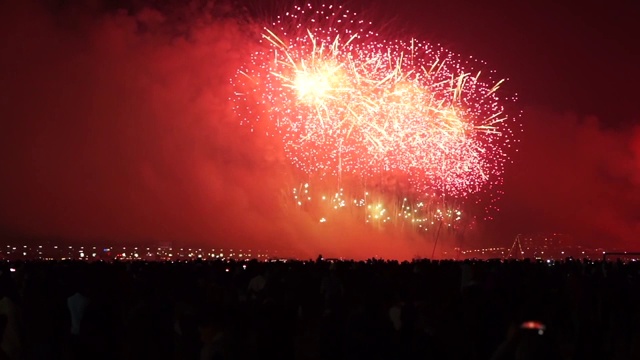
(580, 57)
(113, 125)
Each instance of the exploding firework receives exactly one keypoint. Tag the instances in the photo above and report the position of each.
(377, 208)
(345, 101)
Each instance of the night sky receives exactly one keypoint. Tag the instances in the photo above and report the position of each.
(116, 126)
(558, 56)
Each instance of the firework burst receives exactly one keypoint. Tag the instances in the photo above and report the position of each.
(347, 101)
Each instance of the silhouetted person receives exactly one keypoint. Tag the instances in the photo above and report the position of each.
(11, 345)
(3, 326)
(77, 305)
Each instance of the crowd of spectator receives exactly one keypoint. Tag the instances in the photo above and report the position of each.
(320, 310)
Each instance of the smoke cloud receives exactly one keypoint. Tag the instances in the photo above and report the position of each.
(117, 126)
(577, 176)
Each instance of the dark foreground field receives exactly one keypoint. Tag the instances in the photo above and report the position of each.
(320, 310)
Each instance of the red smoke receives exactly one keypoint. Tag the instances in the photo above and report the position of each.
(575, 175)
(117, 128)
(114, 132)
